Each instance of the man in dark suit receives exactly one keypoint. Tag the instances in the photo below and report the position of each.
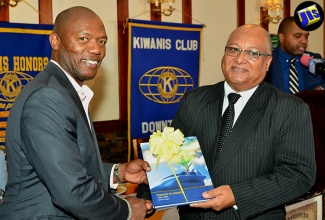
(54, 165)
(268, 158)
(293, 42)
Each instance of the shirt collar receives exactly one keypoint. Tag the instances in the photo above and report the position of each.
(245, 95)
(83, 91)
(287, 57)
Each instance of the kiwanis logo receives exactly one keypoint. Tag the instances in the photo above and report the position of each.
(11, 84)
(165, 84)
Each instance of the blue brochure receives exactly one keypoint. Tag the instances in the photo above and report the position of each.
(182, 179)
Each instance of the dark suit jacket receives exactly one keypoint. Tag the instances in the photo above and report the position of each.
(268, 158)
(53, 158)
(275, 75)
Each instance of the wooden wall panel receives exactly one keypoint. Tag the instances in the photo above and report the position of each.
(187, 11)
(286, 8)
(45, 12)
(154, 16)
(4, 14)
(240, 12)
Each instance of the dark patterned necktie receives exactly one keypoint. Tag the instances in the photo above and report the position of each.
(227, 121)
(293, 77)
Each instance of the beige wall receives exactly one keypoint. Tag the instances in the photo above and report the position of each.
(105, 104)
(315, 38)
(220, 18)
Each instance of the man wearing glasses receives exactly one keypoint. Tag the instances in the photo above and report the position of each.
(268, 157)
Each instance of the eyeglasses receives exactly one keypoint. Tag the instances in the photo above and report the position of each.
(249, 54)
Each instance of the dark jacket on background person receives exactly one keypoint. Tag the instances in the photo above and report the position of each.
(275, 75)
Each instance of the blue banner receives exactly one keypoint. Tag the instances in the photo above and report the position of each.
(164, 63)
(25, 50)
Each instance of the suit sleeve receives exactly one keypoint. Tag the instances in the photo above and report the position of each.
(51, 141)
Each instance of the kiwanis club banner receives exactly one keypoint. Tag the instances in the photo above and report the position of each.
(24, 51)
(164, 63)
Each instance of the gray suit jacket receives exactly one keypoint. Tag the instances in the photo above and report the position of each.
(268, 159)
(54, 164)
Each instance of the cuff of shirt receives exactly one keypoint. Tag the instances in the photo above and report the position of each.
(130, 210)
(111, 183)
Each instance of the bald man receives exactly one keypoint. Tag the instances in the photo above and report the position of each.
(268, 158)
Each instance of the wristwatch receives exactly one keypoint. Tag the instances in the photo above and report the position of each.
(117, 177)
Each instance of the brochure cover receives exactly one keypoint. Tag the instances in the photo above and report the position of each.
(182, 179)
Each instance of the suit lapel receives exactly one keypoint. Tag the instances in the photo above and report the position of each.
(102, 176)
(63, 79)
(248, 119)
(210, 124)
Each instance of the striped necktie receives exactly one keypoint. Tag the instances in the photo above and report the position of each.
(227, 121)
(293, 77)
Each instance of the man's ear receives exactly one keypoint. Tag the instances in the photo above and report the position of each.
(281, 37)
(54, 41)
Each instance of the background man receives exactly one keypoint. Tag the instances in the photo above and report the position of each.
(293, 42)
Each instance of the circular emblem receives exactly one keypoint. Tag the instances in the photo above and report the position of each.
(309, 15)
(165, 85)
(11, 83)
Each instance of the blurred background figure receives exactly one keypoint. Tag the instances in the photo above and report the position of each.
(3, 172)
(287, 57)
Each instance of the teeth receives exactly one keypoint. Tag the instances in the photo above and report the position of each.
(91, 62)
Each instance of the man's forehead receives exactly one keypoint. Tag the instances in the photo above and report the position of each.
(299, 32)
(295, 29)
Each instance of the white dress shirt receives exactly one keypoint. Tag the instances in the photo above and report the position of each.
(239, 105)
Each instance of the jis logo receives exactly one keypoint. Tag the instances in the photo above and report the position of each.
(309, 16)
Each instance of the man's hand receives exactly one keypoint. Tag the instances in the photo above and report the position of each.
(220, 198)
(140, 207)
(134, 171)
(319, 88)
